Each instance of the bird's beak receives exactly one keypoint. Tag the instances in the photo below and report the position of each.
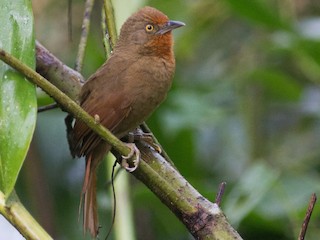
(169, 26)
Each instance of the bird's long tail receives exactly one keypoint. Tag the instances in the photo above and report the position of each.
(90, 215)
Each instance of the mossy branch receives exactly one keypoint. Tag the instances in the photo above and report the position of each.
(204, 219)
(63, 77)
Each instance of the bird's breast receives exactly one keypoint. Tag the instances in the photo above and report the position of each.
(148, 87)
(154, 83)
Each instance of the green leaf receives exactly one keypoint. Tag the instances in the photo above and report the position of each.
(17, 94)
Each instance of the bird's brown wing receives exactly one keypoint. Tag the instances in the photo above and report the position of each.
(115, 109)
(109, 102)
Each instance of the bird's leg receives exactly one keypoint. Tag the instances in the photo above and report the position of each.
(134, 155)
(139, 135)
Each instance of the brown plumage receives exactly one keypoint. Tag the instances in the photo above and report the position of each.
(123, 92)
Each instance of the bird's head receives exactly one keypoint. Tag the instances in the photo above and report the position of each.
(150, 31)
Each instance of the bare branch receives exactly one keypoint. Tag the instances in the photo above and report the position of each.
(220, 193)
(84, 34)
(63, 77)
(306, 220)
(47, 107)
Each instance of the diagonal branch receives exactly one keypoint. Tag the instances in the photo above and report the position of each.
(63, 77)
(306, 220)
(203, 219)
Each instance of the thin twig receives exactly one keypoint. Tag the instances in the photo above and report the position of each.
(307, 217)
(110, 20)
(47, 107)
(115, 175)
(105, 34)
(114, 199)
(70, 20)
(220, 193)
(84, 34)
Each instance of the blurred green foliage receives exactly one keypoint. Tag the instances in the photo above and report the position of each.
(244, 109)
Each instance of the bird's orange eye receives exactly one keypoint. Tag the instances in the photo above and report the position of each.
(149, 28)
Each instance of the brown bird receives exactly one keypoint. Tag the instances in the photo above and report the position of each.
(123, 93)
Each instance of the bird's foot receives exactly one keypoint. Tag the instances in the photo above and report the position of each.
(139, 135)
(134, 155)
(148, 138)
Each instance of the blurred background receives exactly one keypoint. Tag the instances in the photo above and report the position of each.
(244, 109)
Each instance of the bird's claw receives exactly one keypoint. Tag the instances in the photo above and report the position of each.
(147, 138)
(133, 153)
